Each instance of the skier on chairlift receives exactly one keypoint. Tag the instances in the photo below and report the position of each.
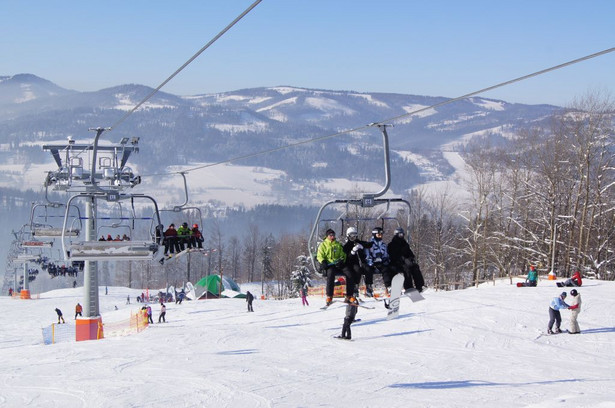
(355, 260)
(331, 257)
(378, 260)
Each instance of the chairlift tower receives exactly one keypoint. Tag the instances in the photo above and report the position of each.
(93, 172)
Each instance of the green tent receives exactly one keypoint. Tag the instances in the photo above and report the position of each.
(209, 287)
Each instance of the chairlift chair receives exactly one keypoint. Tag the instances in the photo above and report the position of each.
(135, 249)
(366, 201)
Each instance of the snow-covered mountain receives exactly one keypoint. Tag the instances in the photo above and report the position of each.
(191, 130)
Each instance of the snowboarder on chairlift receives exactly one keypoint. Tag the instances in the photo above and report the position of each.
(355, 260)
(403, 260)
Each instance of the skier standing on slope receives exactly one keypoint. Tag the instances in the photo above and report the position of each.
(249, 299)
(60, 317)
(554, 313)
(351, 312)
(163, 313)
(575, 308)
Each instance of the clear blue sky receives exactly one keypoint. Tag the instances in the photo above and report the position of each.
(435, 47)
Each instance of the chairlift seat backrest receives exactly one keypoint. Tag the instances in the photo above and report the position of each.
(54, 232)
(112, 250)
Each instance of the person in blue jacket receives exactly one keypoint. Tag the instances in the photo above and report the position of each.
(378, 260)
(554, 313)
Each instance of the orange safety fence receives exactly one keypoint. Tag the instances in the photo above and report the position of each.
(17, 295)
(56, 333)
(338, 291)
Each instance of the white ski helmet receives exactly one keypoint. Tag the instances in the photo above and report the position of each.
(351, 231)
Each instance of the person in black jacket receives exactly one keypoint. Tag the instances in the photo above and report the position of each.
(403, 260)
(351, 312)
(249, 299)
(355, 262)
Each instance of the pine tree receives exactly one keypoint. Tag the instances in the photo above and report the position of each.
(300, 276)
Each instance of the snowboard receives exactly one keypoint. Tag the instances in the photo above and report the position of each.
(414, 295)
(397, 285)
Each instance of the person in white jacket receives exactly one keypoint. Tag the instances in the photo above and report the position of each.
(575, 309)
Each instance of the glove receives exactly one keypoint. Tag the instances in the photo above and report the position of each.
(356, 249)
(378, 260)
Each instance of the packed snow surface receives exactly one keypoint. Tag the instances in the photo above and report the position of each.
(478, 347)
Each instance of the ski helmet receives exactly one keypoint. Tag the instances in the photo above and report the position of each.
(574, 292)
(195, 225)
(352, 232)
(330, 232)
(377, 231)
(563, 295)
(399, 231)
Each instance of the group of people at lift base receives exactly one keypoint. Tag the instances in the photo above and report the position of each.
(558, 303)
(176, 240)
(357, 258)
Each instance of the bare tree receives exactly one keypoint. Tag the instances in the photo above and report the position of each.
(251, 246)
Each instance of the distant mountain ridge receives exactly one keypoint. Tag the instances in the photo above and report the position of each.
(179, 130)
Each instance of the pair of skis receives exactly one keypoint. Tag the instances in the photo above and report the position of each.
(325, 307)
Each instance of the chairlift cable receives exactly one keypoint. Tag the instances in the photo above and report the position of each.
(213, 40)
(393, 119)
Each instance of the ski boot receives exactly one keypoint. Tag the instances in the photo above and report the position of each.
(557, 330)
(549, 331)
(329, 301)
(369, 291)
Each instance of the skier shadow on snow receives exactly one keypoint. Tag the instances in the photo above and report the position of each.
(237, 352)
(599, 330)
(406, 333)
(442, 385)
(379, 321)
